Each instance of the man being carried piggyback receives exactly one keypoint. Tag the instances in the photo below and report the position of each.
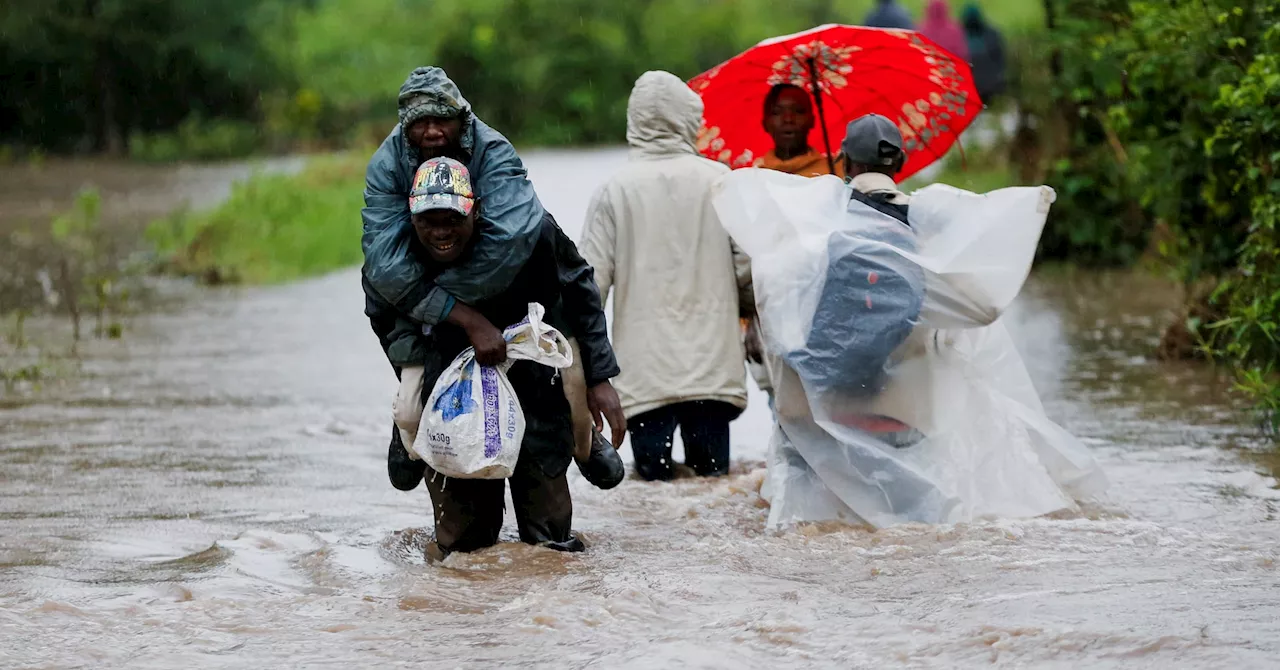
(447, 224)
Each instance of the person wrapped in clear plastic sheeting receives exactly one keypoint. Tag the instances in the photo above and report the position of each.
(899, 394)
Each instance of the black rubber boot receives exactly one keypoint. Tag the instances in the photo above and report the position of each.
(405, 473)
(572, 545)
(604, 468)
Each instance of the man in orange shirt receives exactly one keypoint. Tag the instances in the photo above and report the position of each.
(788, 118)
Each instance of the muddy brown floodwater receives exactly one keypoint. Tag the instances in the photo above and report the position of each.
(212, 493)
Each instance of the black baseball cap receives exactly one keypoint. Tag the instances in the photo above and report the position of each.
(872, 140)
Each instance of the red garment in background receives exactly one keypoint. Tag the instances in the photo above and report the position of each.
(944, 30)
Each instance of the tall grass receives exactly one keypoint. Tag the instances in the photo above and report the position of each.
(272, 228)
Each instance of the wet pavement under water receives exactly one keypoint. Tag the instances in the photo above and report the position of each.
(212, 493)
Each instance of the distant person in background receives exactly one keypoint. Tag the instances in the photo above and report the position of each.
(986, 54)
(943, 30)
(889, 14)
(654, 240)
(789, 118)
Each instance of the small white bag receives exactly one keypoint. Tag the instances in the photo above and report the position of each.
(472, 425)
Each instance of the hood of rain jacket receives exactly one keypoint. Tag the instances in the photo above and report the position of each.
(509, 207)
(663, 116)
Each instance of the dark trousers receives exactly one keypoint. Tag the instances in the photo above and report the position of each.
(704, 427)
(468, 512)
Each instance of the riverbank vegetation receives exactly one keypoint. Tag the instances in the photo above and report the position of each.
(272, 228)
(1161, 116)
(74, 267)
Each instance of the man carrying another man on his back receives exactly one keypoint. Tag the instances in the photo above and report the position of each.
(436, 121)
(468, 512)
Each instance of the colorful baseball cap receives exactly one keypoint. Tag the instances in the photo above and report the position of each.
(442, 183)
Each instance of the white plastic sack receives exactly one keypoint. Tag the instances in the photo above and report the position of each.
(472, 426)
(954, 429)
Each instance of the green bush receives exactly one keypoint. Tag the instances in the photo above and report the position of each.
(1065, 83)
(272, 228)
(1126, 116)
(1179, 57)
(89, 75)
(1167, 111)
(1244, 158)
(198, 139)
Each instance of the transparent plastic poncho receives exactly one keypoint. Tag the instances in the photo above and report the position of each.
(946, 425)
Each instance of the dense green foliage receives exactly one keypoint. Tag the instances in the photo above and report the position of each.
(542, 71)
(87, 74)
(1124, 122)
(1167, 112)
(1245, 157)
(1065, 80)
(171, 78)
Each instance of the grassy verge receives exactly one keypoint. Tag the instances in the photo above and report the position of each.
(273, 228)
(979, 179)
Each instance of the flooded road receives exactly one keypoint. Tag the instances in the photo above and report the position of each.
(213, 493)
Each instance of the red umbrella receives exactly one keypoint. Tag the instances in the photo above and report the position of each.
(850, 71)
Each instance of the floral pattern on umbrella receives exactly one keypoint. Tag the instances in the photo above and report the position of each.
(832, 64)
(917, 124)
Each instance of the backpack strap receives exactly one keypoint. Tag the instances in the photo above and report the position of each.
(877, 202)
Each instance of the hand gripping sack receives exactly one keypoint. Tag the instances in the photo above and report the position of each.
(472, 426)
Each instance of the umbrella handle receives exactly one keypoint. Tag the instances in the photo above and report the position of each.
(822, 117)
